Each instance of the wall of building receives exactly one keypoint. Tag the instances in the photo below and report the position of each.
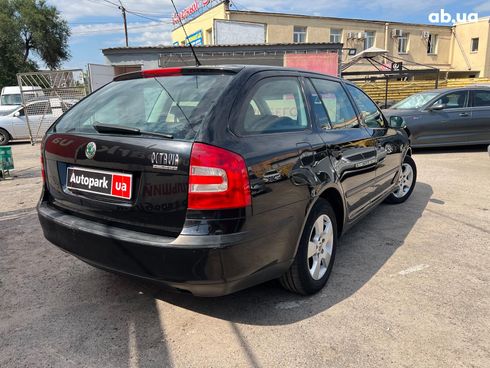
(280, 29)
(146, 60)
(463, 58)
(204, 22)
(453, 58)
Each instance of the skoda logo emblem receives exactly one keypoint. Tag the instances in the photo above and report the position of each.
(90, 150)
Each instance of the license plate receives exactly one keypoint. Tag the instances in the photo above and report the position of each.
(105, 183)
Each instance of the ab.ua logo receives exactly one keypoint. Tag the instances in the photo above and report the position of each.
(447, 18)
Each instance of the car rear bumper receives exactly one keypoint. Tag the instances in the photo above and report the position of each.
(202, 265)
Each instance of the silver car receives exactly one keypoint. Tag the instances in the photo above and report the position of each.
(42, 114)
(445, 117)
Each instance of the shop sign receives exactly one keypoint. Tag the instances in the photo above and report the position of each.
(195, 39)
(196, 8)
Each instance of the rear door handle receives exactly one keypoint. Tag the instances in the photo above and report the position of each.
(464, 114)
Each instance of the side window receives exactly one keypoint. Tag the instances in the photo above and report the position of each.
(275, 105)
(339, 110)
(481, 98)
(369, 110)
(453, 100)
(320, 115)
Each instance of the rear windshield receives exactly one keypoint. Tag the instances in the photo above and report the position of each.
(174, 105)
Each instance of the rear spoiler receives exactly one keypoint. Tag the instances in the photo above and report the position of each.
(169, 72)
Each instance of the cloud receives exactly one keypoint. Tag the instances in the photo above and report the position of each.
(145, 34)
(116, 27)
(77, 9)
(483, 7)
(146, 30)
(326, 7)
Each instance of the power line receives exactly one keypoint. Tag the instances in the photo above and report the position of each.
(147, 13)
(142, 16)
(124, 12)
(110, 2)
(98, 3)
(80, 33)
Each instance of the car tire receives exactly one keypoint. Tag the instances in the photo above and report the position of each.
(316, 252)
(4, 137)
(406, 182)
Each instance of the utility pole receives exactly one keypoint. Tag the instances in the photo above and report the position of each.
(123, 10)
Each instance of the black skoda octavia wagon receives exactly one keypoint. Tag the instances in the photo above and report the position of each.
(213, 179)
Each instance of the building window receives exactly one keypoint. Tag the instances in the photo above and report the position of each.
(403, 44)
(336, 35)
(299, 34)
(369, 39)
(474, 44)
(432, 44)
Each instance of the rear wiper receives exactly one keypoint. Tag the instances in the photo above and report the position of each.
(119, 129)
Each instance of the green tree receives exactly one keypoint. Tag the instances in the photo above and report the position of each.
(30, 28)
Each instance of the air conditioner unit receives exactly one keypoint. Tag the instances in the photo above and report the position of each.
(361, 35)
(425, 35)
(397, 33)
(350, 35)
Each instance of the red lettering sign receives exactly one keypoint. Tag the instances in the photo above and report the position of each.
(121, 186)
(190, 10)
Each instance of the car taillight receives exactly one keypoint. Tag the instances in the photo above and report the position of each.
(43, 173)
(218, 179)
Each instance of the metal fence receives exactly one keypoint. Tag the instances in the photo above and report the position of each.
(46, 96)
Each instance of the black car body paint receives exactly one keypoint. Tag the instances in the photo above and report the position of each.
(154, 235)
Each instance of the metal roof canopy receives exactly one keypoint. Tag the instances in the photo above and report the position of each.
(255, 54)
(381, 70)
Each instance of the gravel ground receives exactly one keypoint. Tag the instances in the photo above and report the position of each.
(411, 287)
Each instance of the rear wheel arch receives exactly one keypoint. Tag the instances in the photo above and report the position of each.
(334, 197)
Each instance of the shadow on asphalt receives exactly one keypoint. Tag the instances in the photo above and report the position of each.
(363, 251)
(456, 149)
(84, 315)
(20, 143)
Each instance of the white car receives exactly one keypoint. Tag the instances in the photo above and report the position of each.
(11, 98)
(42, 113)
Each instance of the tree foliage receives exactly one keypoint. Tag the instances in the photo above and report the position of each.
(30, 30)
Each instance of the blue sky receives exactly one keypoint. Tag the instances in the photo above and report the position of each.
(97, 24)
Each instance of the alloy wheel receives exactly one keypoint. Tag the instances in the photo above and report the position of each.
(320, 247)
(405, 181)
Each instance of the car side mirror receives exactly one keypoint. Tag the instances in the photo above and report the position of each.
(438, 107)
(16, 114)
(396, 122)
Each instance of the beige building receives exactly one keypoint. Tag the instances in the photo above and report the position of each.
(461, 50)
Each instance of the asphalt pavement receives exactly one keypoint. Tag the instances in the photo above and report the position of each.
(410, 288)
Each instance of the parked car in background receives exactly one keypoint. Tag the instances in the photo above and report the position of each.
(42, 112)
(11, 98)
(445, 117)
(213, 179)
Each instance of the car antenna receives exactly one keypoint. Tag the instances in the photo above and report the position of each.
(198, 63)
